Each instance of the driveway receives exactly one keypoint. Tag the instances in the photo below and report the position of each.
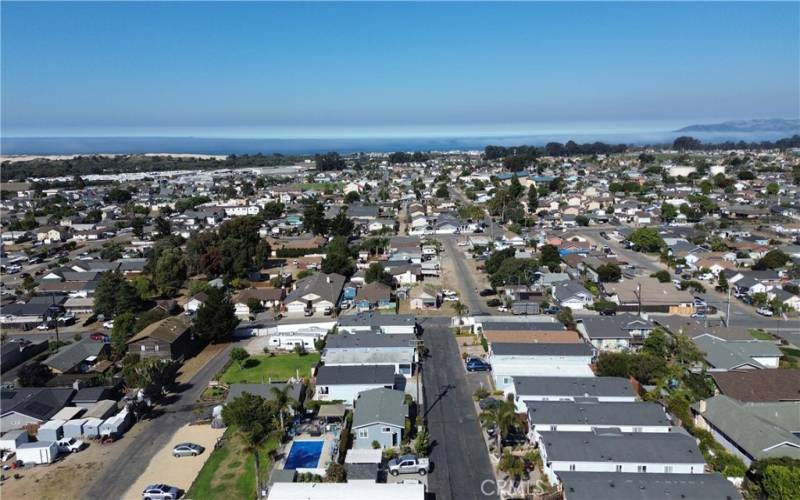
(178, 472)
(115, 478)
(459, 455)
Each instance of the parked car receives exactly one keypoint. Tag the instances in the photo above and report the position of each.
(160, 492)
(493, 302)
(552, 310)
(409, 464)
(608, 312)
(514, 439)
(764, 311)
(450, 298)
(487, 292)
(187, 450)
(502, 309)
(70, 445)
(44, 326)
(308, 312)
(478, 365)
(489, 403)
(99, 337)
(108, 324)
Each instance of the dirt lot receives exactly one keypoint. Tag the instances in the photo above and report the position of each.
(69, 475)
(178, 472)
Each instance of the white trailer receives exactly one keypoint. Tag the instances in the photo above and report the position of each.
(40, 452)
(12, 439)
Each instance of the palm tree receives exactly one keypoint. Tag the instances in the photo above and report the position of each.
(502, 417)
(460, 309)
(253, 438)
(282, 402)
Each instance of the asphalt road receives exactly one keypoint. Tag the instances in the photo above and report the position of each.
(117, 477)
(459, 455)
(464, 281)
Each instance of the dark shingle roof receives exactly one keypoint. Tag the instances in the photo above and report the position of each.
(633, 486)
(353, 375)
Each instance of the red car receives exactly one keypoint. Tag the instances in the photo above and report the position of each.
(99, 337)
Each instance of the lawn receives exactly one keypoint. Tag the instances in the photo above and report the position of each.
(761, 335)
(262, 369)
(791, 357)
(229, 471)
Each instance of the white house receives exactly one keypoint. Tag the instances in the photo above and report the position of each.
(511, 360)
(344, 383)
(609, 450)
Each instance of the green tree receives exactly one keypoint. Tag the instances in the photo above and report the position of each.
(376, 272)
(282, 402)
(169, 272)
(609, 273)
(337, 258)
(582, 220)
(513, 271)
(781, 482)
(773, 188)
(722, 282)
(272, 210)
(122, 332)
(34, 375)
(252, 418)
(566, 318)
(352, 197)
(656, 343)
(533, 199)
(662, 276)
(647, 239)
(668, 212)
(550, 257)
(335, 473)
(115, 295)
(460, 309)
(341, 225)
(442, 192)
(215, 319)
(422, 442)
(496, 258)
(502, 417)
(774, 259)
(314, 218)
(239, 355)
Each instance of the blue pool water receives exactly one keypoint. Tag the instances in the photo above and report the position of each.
(304, 455)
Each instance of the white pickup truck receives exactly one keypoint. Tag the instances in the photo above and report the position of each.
(69, 445)
(409, 464)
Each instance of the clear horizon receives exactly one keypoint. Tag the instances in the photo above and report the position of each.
(302, 71)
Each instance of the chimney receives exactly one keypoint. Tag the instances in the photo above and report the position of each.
(702, 406)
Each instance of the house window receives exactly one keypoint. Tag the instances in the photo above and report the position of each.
(363, 433)
(619, 468)
(386, 430)
(143, 347)
(668, 469)
(323, 390)
(641, 468)
(571, 466)
(155, 348)
(637, 429)
(553, 427)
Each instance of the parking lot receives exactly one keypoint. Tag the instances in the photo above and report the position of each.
(178, 472)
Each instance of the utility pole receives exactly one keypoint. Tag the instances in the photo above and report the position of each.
(728, 313)
(53, 301)
(418, 345)
(639, 298)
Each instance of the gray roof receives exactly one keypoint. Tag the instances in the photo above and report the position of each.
(373, 319)
(595, 413)
(368, 340)
(264, 390)
(36, 402)
(517, 326)
(383, 406)
(354, 375)
(541, 349)
(611, 327)
(70, 356)
(633, 486)
(362, 472)
(573, 386)
(732, 354)
(756, 427)
(318, 285)
(609, 445)
(567, 289)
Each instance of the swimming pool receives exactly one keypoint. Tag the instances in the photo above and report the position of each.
(304, 455)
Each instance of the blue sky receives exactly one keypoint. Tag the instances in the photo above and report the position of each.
(392, 69)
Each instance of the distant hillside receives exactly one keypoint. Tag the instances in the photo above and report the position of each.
(747, 126)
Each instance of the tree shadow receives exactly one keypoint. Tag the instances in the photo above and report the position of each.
(250, 363)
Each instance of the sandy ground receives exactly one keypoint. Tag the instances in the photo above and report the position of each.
(178, 472)
(68, 476)
(193, 365)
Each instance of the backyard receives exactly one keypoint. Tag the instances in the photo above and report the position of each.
(229, 471)
(262, 369)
